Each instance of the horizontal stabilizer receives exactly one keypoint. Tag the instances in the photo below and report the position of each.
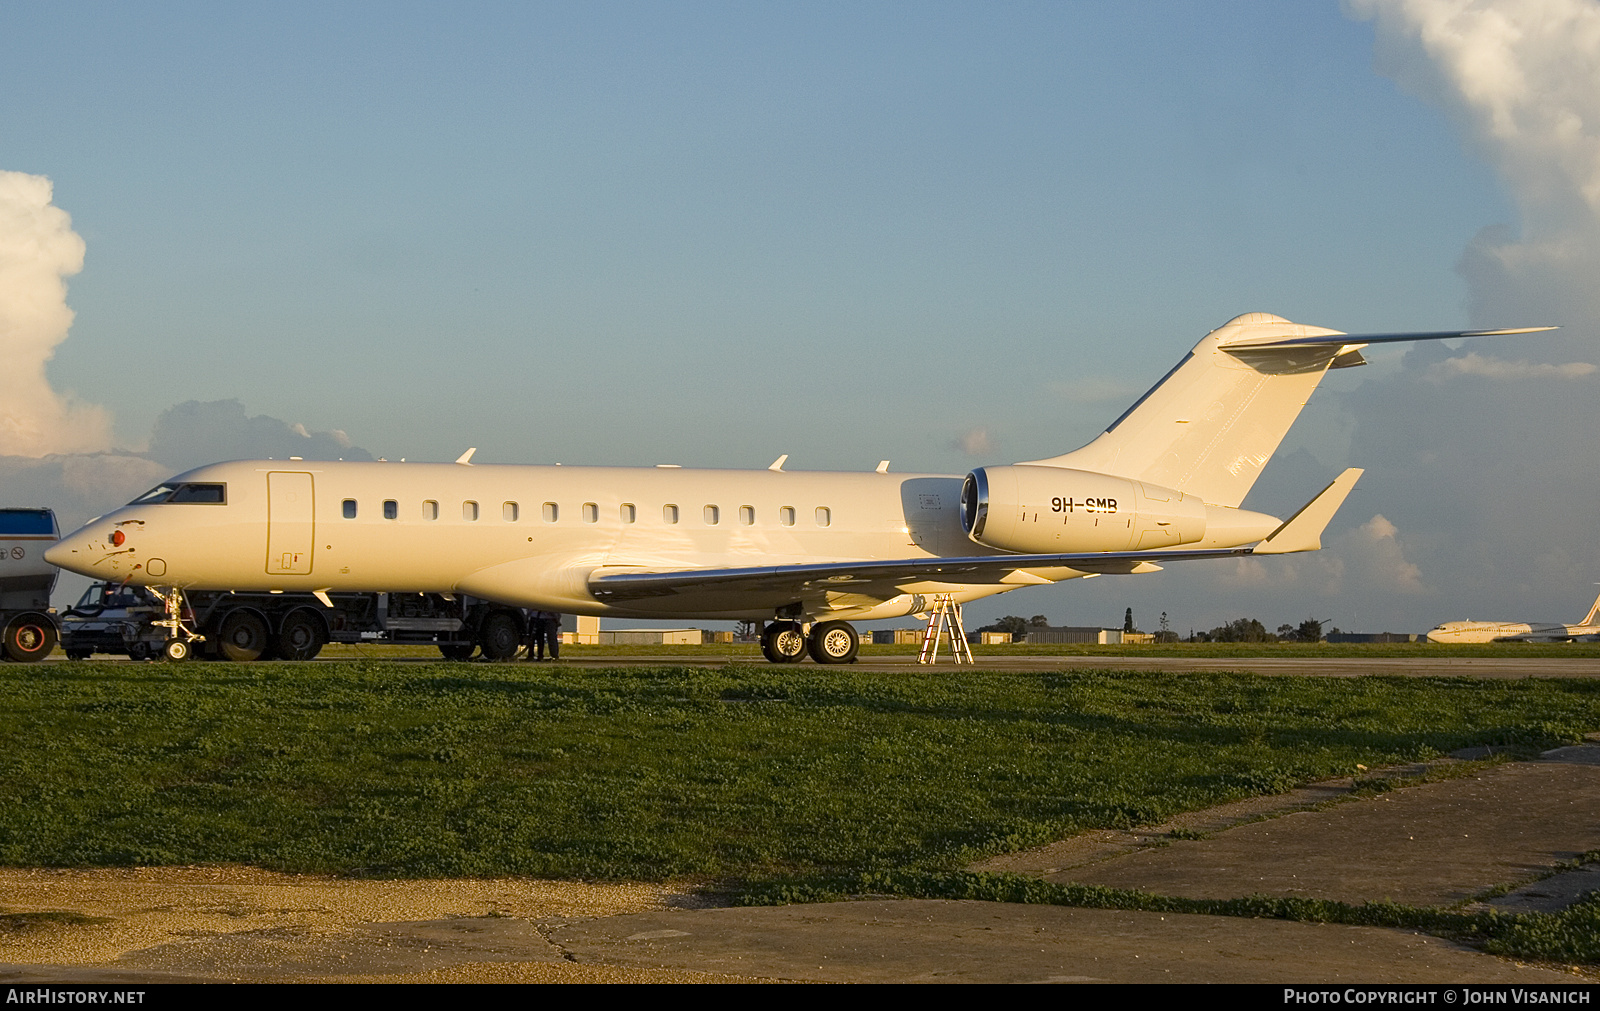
(1303, 530)
(1345, 339)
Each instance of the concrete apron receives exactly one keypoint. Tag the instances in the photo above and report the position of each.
(1432, 844)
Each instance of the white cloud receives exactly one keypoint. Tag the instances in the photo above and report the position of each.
(38, 251)
(975, 443)
(1479, 475)
(1373, 554)
(1522, 78)
(1474, 364)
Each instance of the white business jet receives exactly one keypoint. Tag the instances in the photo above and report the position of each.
(1587, 627)
(803, 552)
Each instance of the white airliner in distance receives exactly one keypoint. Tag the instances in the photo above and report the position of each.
(803, 552)
(1520, 631)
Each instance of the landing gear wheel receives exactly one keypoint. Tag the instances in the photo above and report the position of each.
(457, 650)
(243, 638)
(177, 650)
(500, 636)
(29, 638)
(783, 642)
(834, 642)
(301, 636)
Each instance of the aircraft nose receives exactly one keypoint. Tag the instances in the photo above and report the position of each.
(74, 552)
(57, 554)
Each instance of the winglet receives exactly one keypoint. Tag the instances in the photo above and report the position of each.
(465, 459)
(1303, 530)
(779, 462)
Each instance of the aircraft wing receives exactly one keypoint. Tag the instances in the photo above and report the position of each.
(869, 577)
(860, 575)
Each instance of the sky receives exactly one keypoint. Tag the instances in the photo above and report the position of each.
(709, 234)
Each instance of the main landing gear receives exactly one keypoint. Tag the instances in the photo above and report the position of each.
(828, 642)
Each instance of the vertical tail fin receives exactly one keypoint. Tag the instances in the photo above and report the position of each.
(1594, 611)
(1212, 423)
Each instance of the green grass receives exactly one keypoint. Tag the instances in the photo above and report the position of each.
(379, 769)
(1219, 651)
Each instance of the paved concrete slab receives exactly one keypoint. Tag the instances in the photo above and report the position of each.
(930, 941)
(1552, 894)
(1433, 844)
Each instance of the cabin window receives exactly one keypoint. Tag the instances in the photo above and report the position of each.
(391, 509)
(469, 511)
(786, 516)
(630, 513)
(509, 511)
(552, 512)
(747, 515)
(430, 509)
(591, 512)
(669, 513)
(824, 516)
(349, 508)
(712, 514)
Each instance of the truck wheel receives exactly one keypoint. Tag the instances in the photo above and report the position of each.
(244, 636)
(782, 642)
(458, 650)
(500, 636)
(301, 637)
(834, 642)
(29, 637)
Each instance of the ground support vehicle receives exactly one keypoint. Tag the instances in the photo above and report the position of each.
(31, 628)
(241, 627)
(115, 618)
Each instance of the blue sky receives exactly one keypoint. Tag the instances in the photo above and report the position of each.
(712, 233)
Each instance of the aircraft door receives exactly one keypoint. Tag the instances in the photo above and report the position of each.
(291, 526)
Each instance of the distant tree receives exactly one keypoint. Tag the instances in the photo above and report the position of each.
(1242, 630)
(1010, 623)
(1039, 621)
(1127, 620)
(1310, 630)
(1166, 634)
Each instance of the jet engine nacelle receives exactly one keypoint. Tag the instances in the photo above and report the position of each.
(1041, 510)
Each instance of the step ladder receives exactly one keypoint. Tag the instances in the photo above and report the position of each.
(945, 619)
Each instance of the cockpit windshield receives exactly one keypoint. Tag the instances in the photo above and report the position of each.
(205, 494)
